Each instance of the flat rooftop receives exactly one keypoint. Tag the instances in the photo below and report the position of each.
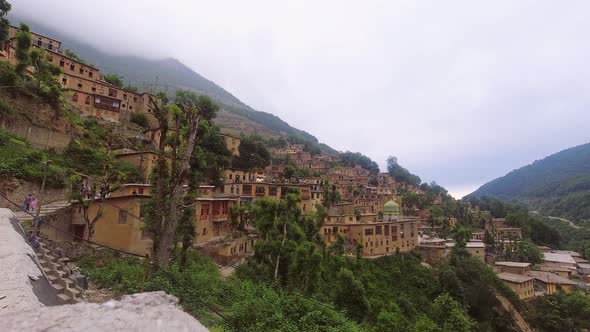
(513, 264)
(515, 278)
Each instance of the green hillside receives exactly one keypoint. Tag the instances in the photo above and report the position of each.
(169, 75)
(558, 185)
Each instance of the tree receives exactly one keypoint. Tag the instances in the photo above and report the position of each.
(5, 7)
(188, 115)
(139, 119)
(46, 76)
(461, 235)
(450, 315)
(23, 46)
(401, 174)
(73, 55)
(86, 195)
(277, 223)
(114, 79)
(351, 296)
(289, 171)
(253, 154)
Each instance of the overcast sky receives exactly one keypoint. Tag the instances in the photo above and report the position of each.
(460, 91)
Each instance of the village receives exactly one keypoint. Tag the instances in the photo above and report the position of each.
(367, 213)
(363, 212)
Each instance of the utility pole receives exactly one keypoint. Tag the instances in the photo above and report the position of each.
(40, 195)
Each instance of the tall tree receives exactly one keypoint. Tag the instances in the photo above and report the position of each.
(5, 7)
(277, 223)
(188, 115)
(45, 74)
(253, 154)
(23, 47)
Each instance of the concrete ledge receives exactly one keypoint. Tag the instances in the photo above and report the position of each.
(155, 311)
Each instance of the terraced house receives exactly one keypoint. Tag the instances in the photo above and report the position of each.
(86, 90)
(387, 236)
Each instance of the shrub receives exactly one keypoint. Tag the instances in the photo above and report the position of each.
(139, 119)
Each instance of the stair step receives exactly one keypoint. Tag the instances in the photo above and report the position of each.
(64, 299)
(73, 293)
(52, 279)
(59, 289)
(43, 262)
(67, 282)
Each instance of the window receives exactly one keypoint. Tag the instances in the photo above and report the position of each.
(101, 91)
(61, 63)
(112, 92)
(80, 85)
(204, 231)
(90, 74)
(64, 81)
(140, 191)
(125, 96)
(87, 101)
(81, 71)
(93, 89)
(272, 191)
(50, 46)
(75, 97)
(39, 42)
(368, 231)
(122, 217)
(378, 230)
(72, 67)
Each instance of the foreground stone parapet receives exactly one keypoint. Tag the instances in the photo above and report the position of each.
(155, 311)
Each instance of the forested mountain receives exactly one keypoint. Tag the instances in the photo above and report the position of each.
(169, 75)
(558, 185)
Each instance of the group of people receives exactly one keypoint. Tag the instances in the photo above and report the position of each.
(31, 202)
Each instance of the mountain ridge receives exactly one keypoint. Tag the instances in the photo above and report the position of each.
(558, 184)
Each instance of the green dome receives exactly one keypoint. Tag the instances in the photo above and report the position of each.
(391, 207)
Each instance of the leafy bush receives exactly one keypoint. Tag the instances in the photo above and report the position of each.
(139, 119)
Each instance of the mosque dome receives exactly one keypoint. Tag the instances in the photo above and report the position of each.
(391, 208)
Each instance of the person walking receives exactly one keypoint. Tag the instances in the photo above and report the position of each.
(33, 203)
(28, 202)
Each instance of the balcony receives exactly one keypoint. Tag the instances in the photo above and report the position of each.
(219, 217)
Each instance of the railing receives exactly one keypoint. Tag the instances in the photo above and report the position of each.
(219, 217)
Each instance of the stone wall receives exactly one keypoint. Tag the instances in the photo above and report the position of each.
(40, 137)
(17, 190)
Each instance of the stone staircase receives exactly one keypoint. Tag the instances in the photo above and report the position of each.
(59, 275)
(46, 209)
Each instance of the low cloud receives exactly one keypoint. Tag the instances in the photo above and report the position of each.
(460, 91)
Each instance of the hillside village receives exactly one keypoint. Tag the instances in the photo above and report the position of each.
(361, 212)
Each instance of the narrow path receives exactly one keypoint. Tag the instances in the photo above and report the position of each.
(519, 321)
(567, 221)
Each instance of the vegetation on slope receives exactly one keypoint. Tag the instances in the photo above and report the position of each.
(558, 185)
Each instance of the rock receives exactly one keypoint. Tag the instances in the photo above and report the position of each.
(155, 311)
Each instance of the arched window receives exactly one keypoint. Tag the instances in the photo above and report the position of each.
(75, 97)
(87, 101)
